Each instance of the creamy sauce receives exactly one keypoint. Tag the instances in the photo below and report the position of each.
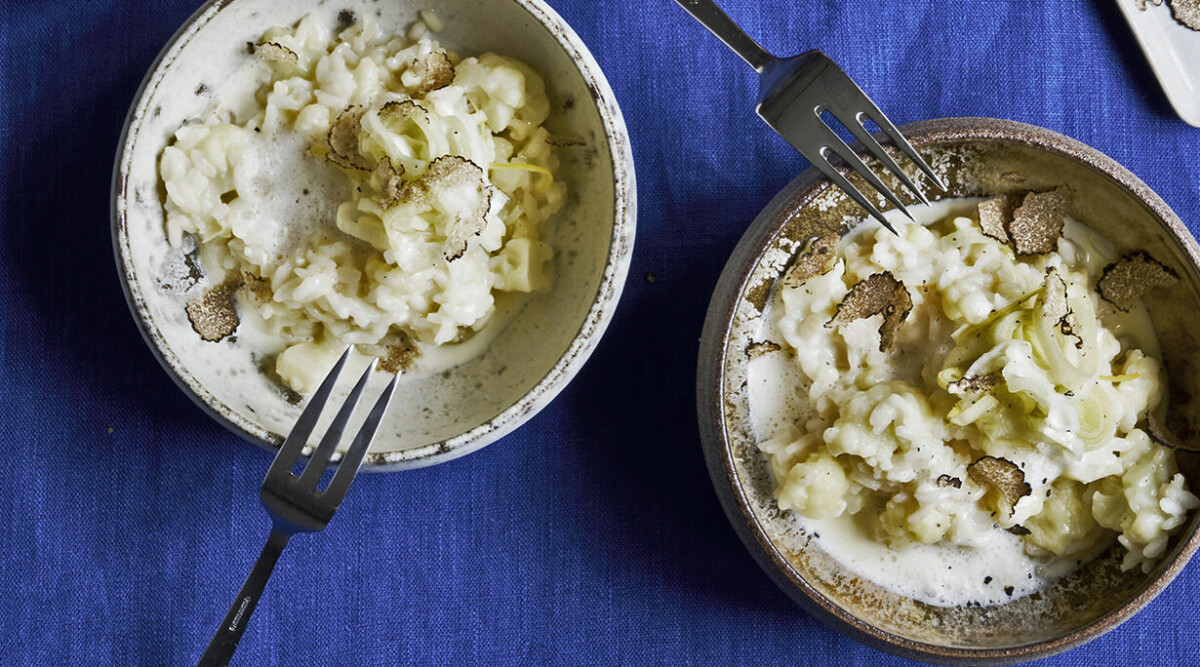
(995, 568)
(288, 197)
(294, 195)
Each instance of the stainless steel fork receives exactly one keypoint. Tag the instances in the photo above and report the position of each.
(294, 502)
(792, 95)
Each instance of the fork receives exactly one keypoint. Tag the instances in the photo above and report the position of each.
(792, 95)
(294, 502)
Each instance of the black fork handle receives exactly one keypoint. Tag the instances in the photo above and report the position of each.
(224, 643)
(718, 22)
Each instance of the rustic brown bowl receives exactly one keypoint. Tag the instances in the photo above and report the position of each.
(979, 157)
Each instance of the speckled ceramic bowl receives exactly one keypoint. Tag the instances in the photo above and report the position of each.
(433, 418)
(979, 157)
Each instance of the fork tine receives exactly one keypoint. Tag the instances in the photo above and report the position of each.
(294, 444)
(854, 122)
(834, 142)
(348, 468)
(889, 129)
(320, 458)
(834, 175)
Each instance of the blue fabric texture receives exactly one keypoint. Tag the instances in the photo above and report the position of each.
(128, 519)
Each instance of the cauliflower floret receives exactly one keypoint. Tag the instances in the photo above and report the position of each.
(816, 488)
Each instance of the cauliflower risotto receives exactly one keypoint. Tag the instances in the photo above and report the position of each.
(440, 179)
(966, 394)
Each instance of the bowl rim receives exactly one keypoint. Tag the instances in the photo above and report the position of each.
(595, 322)
(710, 394)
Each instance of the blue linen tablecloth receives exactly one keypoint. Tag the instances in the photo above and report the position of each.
(128, 519)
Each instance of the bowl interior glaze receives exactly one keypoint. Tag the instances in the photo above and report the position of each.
(977, 157)
(432, 418)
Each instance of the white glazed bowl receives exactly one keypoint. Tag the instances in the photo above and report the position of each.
(433, 418)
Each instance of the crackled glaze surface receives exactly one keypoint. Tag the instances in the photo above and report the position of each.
(434, 418)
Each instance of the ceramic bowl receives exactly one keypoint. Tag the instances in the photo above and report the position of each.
(979, 157)
(432, 418)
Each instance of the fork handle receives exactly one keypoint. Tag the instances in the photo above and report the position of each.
(718, 22)
(224, 643)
